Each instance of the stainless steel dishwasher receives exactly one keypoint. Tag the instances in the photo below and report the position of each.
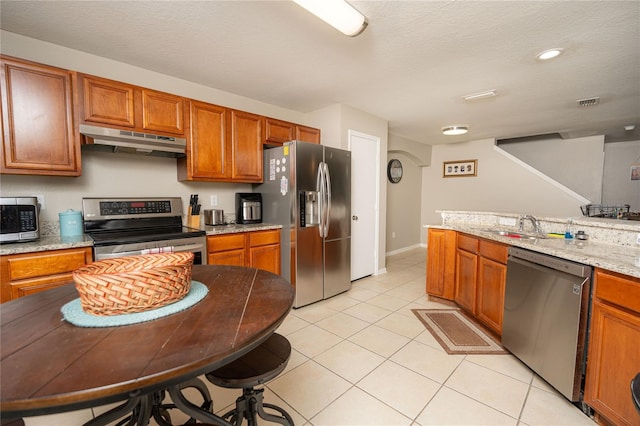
(546, 311)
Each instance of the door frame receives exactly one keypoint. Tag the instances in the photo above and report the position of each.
(376, 140)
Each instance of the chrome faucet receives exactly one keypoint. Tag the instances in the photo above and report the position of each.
(534, 222)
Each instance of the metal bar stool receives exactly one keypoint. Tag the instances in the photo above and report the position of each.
(255, 368)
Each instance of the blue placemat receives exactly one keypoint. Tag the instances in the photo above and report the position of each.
(73, 313)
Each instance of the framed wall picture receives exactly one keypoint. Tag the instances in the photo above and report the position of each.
(462, 168)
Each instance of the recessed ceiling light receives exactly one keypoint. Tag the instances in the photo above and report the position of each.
(481, 95)
(549, 54)
(455, 130)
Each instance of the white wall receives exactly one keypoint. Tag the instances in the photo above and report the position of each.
(125, 175)
(576, 163)
(617, 186)
(403, 205)
(502, 184)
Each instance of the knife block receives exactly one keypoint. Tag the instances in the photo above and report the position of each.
(193, 221)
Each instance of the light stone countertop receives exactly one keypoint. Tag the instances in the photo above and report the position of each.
(236, 228)
(50, 242)
(610, 246)
(55, 242)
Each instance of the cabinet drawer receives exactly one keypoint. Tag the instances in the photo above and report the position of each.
(618, 289)
(225, 242)
(467, 243)
(46, 263)
(263, 238)
(494, 251)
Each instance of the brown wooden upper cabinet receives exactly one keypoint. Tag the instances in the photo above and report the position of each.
(278, 132)
(224, 145)
(126, 106)
(38, 132)
(307, 134)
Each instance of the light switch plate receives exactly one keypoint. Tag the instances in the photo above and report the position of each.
(507, 221)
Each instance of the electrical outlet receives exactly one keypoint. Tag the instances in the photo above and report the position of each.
(638, 239)
(393, 235)
(214, 200)
(40, 198)
(507, 221)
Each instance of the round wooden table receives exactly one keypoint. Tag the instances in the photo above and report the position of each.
(49, 366)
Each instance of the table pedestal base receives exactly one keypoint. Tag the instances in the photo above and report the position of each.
(139, 410)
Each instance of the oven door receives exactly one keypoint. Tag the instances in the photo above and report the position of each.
(196, 245)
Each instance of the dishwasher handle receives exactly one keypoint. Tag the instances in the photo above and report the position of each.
(562, 265)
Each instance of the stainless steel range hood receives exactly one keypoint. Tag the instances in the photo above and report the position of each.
(114, 140)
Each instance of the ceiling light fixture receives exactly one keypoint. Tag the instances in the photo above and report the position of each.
(481, 95)
(455, 130)
(549, 54)
(337, 13)
(629, 128)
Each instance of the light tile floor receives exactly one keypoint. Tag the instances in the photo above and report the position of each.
(362, 358)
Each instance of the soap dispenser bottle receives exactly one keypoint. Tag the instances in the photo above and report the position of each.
(568, 233)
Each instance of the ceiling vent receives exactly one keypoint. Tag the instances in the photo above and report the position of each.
(588, 102)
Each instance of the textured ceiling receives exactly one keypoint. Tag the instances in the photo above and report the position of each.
(411, 66)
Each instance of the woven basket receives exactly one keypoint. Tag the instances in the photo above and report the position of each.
(126, 285)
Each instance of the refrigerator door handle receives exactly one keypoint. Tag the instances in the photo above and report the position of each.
(320, 190)
(327, 177)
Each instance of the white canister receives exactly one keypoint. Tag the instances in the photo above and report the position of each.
(70, 223)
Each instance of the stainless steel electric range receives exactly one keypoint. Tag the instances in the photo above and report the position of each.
(133, 226)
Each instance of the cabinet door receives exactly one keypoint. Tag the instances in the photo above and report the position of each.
(207, 157)
(614, 359)
(277, 132)
(491, 281)
(107, 102)
(307, 134)
(441, 257)
(466, 275)
(265, 257)
(28, 273)
(246, 146)
(37, 120)
(162, 112)
(230, 257)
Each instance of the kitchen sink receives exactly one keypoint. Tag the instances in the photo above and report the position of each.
(515, 234)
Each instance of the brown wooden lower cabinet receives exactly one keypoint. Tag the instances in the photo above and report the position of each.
(614, 348)
(441, 258)
(28, 273)
(469, 270)
(257, 249)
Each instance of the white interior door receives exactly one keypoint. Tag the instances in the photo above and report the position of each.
(364, 203)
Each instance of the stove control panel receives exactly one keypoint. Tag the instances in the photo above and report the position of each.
(130, 208)
(116, 208)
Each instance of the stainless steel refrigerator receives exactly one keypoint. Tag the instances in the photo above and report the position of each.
(307, 190)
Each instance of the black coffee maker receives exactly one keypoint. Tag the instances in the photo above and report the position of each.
(248, 207)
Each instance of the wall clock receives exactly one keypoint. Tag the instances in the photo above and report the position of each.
(394, 171)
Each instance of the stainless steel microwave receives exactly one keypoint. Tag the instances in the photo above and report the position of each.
(19, 219)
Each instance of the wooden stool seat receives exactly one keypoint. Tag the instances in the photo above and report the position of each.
(255, 368)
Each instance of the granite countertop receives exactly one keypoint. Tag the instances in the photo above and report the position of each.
(235, 228)
(55, 242)
(613, 257)
(50, 242)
